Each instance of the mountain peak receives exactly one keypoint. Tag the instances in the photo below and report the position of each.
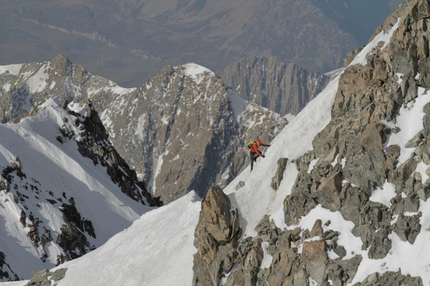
(194, 70)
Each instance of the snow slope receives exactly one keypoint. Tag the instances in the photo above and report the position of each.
(55, 173)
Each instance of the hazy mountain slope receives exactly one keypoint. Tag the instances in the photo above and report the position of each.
(283, 88)
(129, 41)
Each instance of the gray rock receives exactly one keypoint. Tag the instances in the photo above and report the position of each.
(390, 278)
(216, 238)
(316, 229)
(408, 227)
(341, 272)
(328, 192)
(380, 244)
(240, 185)
(411, 203)
(424, 193)
(279, 175)
(315, 259)
(44, 277)
(267, 230)
(297, 205)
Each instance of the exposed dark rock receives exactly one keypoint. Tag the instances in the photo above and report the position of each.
(341, 272)
(285, 259)
(390, 278)
(279, 175)
(267, 230)
(72, 238)
(94, 144)
(353, 203)
(317, 229)
(44, 277)
(298, 204)
(328, 192)
(380, 244)
(424, 193)
(408, 227)
(240, 185)
(351, 160)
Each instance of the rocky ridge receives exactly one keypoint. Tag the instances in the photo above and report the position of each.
(77, 234)
(269, 82)
(184, 117)
(351, 159)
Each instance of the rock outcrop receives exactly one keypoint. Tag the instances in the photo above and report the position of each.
(45, 277)
(390, 278)
(216, 236)
(93, 143)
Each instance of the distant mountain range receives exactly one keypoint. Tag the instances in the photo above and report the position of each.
(129, 41)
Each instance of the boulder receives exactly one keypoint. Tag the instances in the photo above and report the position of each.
(328, 192)
(315, 259)
(408, 227)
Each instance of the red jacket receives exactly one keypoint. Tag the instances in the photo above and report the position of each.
(254, 147)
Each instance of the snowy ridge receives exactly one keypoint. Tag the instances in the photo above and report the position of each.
(54, 174)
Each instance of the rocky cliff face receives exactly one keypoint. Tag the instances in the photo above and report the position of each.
(182, 130)
(352, 157)
(189, 131)
(93, 143)
(269, 82)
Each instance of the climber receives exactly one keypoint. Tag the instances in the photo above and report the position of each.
(254, 152)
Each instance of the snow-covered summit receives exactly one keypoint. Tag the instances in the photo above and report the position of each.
(196, 71)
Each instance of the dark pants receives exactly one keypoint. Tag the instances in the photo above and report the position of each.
(254, 157)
